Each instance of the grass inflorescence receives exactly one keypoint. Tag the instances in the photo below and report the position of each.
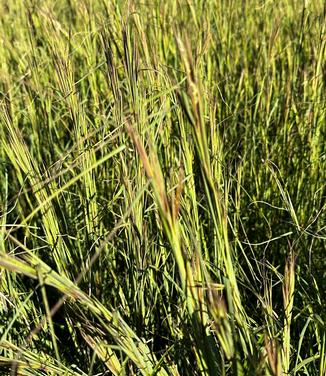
(162, 196)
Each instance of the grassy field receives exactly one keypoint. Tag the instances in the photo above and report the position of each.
(162, 187)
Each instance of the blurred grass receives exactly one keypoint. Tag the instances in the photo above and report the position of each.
(162, 196)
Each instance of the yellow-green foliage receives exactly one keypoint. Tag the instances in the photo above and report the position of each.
(162, 195)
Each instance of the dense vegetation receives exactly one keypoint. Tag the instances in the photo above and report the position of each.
(162, 195)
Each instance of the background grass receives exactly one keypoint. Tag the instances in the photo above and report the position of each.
(162, 196)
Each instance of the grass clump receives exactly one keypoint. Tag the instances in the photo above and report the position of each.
(162, 196)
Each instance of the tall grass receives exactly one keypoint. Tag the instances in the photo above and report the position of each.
(162, 196)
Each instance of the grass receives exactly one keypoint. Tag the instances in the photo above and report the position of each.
(162, 196)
